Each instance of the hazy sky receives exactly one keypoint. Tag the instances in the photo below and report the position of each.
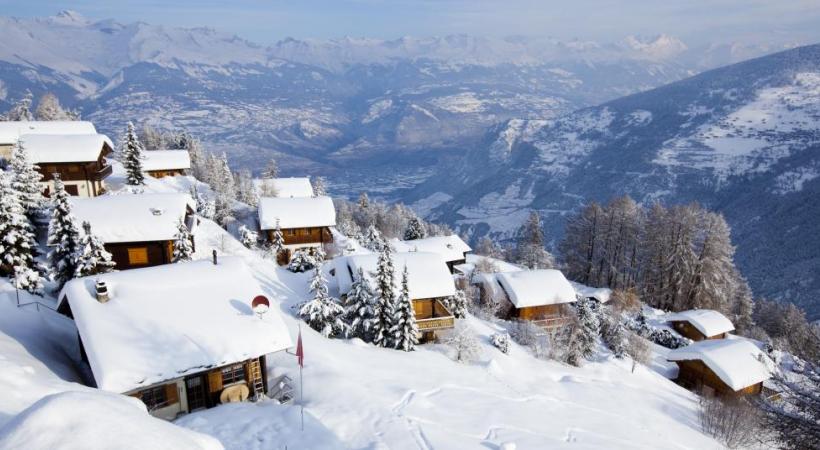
(266, 21)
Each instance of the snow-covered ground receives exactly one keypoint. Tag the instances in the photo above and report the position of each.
(360, 396)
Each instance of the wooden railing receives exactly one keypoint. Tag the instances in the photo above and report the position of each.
(552, 322)
(435, 323)
(103, 172)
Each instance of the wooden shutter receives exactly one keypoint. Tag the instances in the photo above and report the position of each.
(137, 256)
(215, 381)
(171, 395)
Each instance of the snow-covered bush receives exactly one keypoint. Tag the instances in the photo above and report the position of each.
(613, 333)
(91, 257)
(415, 230)
(463, 341)
(638, 349)
(501, 341)
(457, 304)
(301, 261)
(733, 421)
(248, 237)
(660, 336)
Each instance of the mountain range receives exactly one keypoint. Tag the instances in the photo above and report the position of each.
(742, 139)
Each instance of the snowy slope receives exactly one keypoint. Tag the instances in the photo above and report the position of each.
(741, 139)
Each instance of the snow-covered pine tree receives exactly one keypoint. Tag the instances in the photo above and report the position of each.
(372, 239)
(385, 299)
(21, 111)
(319, 187)
(17, 243)
(248, 237)
(131, 156)
(277, 242)
(405, 330)
(301, 262)
(364, 200)
(271, 170)
(614, 334)
(415, 230)
(183, 243)
(359, 313)
(225, 190)
(91, 257)
(26, 181)
(323, 313)
(530, 251)
(64, 236)
(590, 326)
(245, 190)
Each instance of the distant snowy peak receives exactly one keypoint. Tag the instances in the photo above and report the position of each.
(69, 17)
(660, 47)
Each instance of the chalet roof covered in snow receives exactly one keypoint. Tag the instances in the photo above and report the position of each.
(166, 160)
(707, 321)
(451, 248)
(734, 361)
(61, 148)
(296, 212)
(600, 294)
(428, 276)
(167, 321)
(133, 217)
(10, 132)
(288, 187)
(536, 287)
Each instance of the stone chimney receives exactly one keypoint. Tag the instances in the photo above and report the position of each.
(102, 291)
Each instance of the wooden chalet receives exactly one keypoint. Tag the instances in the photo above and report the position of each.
(305, 222)
(138, 230)
(12, 131)
(166, 163)
(451, 248)
(538, 296)
(722, 367)
(180, 337)
(429, 282)
(79, 160)
(700, 324)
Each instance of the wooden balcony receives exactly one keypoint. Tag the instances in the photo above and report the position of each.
(432, 315)
(552, 322)
(102, 173)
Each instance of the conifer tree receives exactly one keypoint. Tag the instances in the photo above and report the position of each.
(17, 243)
(277, 242)
(91, 257)
(21, 111)
(614, 334)
(385, 299)
(131, 156)
(590, 326)
(64, 236)
(457, 304)
(322, 313)
(530, 251)
(359, 312)
(247, 237)
(319, 187)
(183, 243)
(372, 239)
(271, 170)
(49, 108)
(415, 230)
(405, 330)
(26, 181)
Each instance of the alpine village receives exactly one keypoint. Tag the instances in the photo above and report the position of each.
(189, 286)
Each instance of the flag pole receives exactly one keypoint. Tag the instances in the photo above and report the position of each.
(301, 384)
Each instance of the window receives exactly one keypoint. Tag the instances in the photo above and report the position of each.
(72, 189)
(137, 256)
(233, 374)
(154, 398)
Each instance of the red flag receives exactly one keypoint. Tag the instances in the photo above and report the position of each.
(300, 353)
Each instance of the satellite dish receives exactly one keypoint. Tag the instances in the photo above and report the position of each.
(260, 305)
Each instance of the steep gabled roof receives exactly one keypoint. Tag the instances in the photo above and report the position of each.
(296, 212)
(64, 148)
(428, 275)
(451, 248)
(166, 160)
(288, 187)
(10, 132)
(167, 321)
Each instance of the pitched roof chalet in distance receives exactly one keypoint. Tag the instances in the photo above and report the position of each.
(707, 321)
(10, 132)
(133, 217)
(734, 361)
(296, 212)
(451, 248)
(164, 322)
(65, 148)
(287, 187)
(428, 275)
(166, 160)
(529, 288)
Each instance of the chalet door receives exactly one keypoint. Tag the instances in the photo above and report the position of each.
(195, 392)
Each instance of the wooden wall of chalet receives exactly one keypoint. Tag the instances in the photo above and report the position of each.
(427, 308)
(695, 375)
(310, 235)
(165, 173)
(688, 330)
(129, 255)
(537, 312)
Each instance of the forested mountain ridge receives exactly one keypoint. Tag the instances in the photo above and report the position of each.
(743, 140)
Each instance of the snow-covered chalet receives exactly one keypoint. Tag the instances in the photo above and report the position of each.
(539, 296)
(138, 230)
(166, 163)
(180, 337)
(725, 367)
(451, 248)
(429, 283)
(305, 222)
(700, 324)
